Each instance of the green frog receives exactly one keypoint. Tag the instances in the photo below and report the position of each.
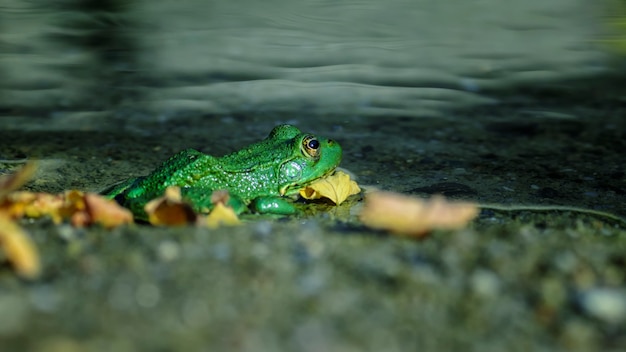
(257, 177)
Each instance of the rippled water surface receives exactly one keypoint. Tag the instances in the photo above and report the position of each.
(353, 58)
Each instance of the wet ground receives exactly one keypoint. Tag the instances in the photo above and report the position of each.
(515, 281)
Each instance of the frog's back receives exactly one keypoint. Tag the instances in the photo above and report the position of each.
(182, 169)
(191, 168)
(270, 152)
(172, 172)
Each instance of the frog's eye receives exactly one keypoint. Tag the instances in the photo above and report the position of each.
(311, 146)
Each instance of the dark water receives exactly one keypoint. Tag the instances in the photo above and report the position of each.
(319, 58)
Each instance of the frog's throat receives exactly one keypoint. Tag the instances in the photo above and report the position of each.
(298, 186)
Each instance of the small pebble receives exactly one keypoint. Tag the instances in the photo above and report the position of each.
(485, 283)
(606, 304)
(263, 228)
(147, 295)
(168, 251)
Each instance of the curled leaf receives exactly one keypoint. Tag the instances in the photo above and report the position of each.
(170, 209)
(414, 216)
(337, 188)
(19, 249)
(102, 211)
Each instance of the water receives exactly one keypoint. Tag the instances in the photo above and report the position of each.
(78, 61)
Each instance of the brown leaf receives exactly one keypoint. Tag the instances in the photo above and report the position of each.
(82, 209)
(170, 210)
(73, 208)
(105, 212)
(414, 216)
(33, 205)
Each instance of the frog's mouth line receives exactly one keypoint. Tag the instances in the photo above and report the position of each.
(296, 187)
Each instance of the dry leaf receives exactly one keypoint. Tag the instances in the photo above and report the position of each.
(73, 208)
(337, 187)
(103, 211)
(170, 209)
(15, 204)
(33, 205)
(19, 248)
(414, 216)
(83, 209)
(221, 215)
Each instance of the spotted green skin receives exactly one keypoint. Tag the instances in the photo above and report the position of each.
(258, 176)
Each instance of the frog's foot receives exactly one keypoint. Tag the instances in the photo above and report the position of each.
(273, 205)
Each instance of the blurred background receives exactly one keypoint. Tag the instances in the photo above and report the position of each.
(75, 62)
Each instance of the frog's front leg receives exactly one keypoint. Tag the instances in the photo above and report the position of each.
(273, 205)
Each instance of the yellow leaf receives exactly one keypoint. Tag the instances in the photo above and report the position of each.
(33, 205)
(337, 188)
(414, 216)
(222, 215)
(19, 248)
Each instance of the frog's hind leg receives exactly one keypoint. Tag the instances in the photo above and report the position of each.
(130, 197)
(116, 189)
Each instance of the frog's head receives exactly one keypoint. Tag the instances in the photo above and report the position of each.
(312, 158)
